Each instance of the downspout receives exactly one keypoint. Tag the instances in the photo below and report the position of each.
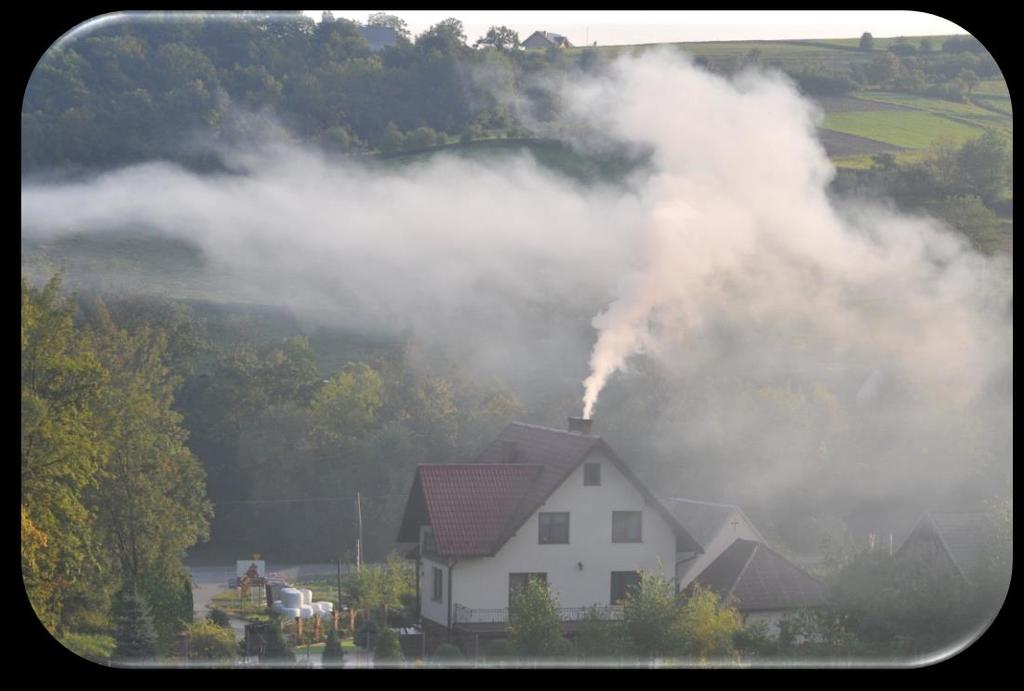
(451, 567)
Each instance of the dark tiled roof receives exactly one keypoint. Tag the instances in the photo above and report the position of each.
(469, 506)
(756, 578)
(702, 519)
(962, 535)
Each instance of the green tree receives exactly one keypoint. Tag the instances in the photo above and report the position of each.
(534, 629)
(219, 617)
(135, 636)
(500, 37)
(333, 652)
(447, 37)
(151, 496)
(969, 215)
(652, 617)
(62, 452)
(446, 653)
(867, 41)
(710, 625)
(390, 21)
(984, 165)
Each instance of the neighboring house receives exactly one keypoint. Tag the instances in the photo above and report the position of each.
(555, 505)
(379, 37)
(545, 39)
(761, 583)
(952, 541)
(714, 526)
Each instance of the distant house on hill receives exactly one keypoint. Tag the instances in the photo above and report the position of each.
(553, 505)
(379, 37)
(714, 526)
(545, 39)
(761, 583)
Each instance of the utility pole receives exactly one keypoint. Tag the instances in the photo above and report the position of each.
(359, 541)
(339, 587)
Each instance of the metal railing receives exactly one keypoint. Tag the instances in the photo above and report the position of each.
(468, 615)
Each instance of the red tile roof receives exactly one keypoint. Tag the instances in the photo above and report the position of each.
(475, 508)
(470, 505)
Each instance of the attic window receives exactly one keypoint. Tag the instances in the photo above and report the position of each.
(591, 474)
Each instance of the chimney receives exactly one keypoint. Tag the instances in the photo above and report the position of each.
(580, 425)
(509, 451)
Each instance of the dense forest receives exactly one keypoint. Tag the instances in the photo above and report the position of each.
(125, 90)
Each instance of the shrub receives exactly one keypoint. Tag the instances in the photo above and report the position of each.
(387, 647)
(219, 617)
(447, 652)
(94, 647)
(534, 628)
(278, 649)
(210, 641)
(499, 650)
(366, 633)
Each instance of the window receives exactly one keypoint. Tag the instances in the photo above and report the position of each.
(517, 580)
(438, 585)
(554, 528)
(623, 583)
(591, 474)
(626, 526)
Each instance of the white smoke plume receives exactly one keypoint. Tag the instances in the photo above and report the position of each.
(738, 221)
(728, 257)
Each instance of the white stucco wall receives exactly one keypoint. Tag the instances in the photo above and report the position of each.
(430, 609)
(482, 583)
(689, 570)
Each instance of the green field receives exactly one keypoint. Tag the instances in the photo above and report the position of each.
(905, 129)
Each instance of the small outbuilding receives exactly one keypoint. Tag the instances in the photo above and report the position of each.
(762, 584)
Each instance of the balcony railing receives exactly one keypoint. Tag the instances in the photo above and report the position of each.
(468, 615)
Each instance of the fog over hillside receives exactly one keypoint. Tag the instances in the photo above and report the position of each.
(750, 337)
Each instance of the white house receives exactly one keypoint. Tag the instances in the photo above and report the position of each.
(556, 505)
(714, 526)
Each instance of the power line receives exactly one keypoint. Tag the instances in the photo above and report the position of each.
(305, 500)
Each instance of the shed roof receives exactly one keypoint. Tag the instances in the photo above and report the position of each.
(961, 534)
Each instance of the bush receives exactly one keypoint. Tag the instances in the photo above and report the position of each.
(366, 633)
(447, 652)
(387, 647)
(219, 617)
(94, 647)
(210, 641)
(598, 639)
(563, 649)
(499, 650)
(278, 649)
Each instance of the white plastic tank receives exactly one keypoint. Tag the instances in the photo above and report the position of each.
(291, 612)
(307, 611)
(307, 596)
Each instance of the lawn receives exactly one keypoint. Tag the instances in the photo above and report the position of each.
(968, 113)
(905, 129)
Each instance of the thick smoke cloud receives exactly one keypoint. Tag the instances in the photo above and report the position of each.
(728, 260)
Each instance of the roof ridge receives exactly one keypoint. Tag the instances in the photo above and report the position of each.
(706, 503)
(551, 429)
(746, 565)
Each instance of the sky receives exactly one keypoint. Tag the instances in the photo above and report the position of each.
(622, 27)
